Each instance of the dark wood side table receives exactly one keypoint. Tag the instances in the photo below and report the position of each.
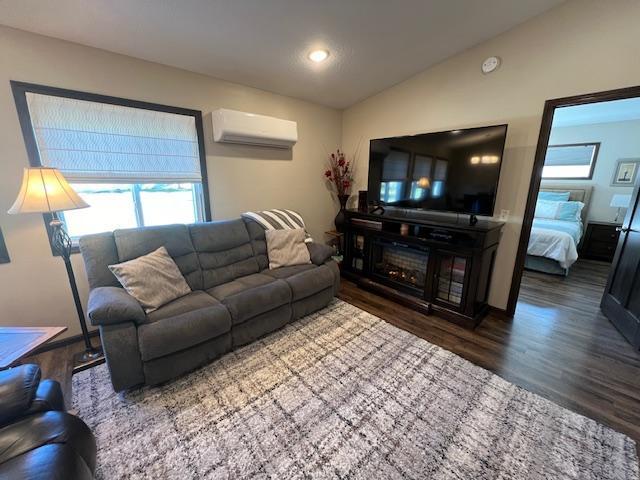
(18, 342)
(600, 241)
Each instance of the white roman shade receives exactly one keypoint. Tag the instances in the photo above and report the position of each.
(395, 166)
(421, 167)
(99, 142)
(560, 155)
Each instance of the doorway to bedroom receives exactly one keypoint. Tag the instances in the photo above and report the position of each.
(581, 203)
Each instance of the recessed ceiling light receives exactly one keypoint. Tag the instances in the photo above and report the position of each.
(318, 56)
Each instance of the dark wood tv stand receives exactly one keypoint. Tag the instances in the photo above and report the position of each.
(434, 264)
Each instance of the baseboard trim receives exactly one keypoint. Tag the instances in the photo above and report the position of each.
(500, 313)
(63, 343)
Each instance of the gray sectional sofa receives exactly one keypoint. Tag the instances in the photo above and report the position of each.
(235, 298)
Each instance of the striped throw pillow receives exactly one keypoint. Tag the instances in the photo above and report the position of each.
(279, 219)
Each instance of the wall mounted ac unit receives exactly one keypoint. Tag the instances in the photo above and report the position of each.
(231, 126)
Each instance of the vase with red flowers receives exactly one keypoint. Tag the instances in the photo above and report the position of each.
(339, 175)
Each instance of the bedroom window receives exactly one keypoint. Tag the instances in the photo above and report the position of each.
(570, 162)
(135, 163)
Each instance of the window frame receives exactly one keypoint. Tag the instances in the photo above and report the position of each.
(20, 90)
(592, 167)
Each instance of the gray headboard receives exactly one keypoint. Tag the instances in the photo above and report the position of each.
(577, 193)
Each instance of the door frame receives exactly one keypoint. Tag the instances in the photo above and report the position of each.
(536, 174)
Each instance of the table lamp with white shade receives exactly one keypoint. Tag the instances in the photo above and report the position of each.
(45, 190)
(620, 201)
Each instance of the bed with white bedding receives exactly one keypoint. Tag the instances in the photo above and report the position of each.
(553, 244)
(555, 239)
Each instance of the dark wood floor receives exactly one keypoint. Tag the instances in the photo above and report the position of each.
(558, 345)
(58, 365)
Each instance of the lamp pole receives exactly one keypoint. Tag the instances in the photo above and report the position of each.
(61, 243)
(45, 190)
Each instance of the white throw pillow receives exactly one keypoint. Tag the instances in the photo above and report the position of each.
(153, 279)
(546, 209)
(286, 248)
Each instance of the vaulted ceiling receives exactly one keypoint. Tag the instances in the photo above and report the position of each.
(373, 44)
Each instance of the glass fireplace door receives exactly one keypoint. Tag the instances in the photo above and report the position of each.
(452, 270)
(404, 264)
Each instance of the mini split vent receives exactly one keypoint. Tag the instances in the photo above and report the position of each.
(231, 126)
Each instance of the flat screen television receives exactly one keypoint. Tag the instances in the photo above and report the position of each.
(455, 171)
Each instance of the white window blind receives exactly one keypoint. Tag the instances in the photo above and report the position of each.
(395, 166)
(570, 155)
(570, 161)
(98, 142)
(422, 167)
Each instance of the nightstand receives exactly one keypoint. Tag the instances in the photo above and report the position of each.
(600, 241)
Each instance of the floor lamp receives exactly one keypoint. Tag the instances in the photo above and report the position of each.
(45, 190)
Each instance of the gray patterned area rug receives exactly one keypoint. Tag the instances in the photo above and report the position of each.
(343, 394)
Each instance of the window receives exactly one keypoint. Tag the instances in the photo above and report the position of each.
(391, 191)
(394, 174)
(115, 205)
(134, 163)
(421, 177)
(575, 161)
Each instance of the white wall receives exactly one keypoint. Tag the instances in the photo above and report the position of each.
(582, 46)
(33, 287)
(617, 140)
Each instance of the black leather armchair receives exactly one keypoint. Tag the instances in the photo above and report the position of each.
(38, 439)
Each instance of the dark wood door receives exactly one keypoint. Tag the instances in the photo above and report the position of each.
(621, 300)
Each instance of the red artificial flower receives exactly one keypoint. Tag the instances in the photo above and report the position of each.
(327, 174)
(341, 162)
(346, 184)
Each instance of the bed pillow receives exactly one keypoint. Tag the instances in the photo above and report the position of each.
(554, 196)
(546, 209)
(153, 279)
(569, 211)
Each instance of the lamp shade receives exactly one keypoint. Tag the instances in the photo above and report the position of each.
(45, 190)
(620, 200)
(424, 182)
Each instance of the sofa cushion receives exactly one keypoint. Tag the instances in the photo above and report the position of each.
(98, 252)
(48, 397)
(307, 283)
(284, 272)
(18, 388)
(55, 460)
(172, 334)
(239, 285)
(135, 242)
(193, 301)
(320, 253)
(253, 301)
(224, 251)
(258, 242)
(40, 429)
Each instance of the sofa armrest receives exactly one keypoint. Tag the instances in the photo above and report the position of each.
(48, 397)
(18, 388)
(109, 305)
(319, 253)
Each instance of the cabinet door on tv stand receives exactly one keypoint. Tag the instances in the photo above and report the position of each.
(357, 244)
(450, 280)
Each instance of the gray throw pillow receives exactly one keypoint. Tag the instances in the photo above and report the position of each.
(286, 247)
(153, 279)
